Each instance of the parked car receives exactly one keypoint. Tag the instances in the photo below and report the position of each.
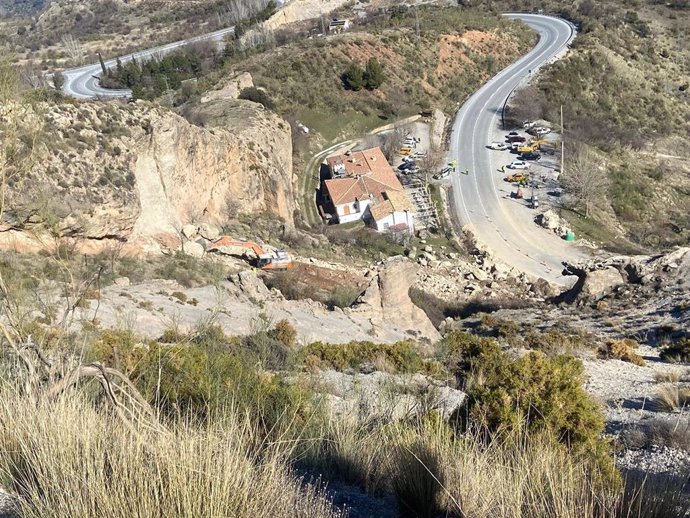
(407, 165)
(518, 164)
(444, 173)
(499, 146)
(405, 150)
(541, 130)
(516, 138)
(528, 124)
(513, 134)
(530, 156)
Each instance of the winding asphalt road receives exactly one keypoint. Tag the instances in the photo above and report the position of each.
(498, 222)
(83, 82)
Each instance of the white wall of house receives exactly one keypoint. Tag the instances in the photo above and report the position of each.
(395, 218)
(349, 212)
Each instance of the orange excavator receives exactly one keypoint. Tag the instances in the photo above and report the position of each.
(253, 253)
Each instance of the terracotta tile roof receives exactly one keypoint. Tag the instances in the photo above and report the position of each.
(368, 174)
(391, 202)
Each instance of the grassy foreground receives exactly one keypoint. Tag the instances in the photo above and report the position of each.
(228, 438)
(68, 459)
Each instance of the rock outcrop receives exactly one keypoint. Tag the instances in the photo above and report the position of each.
(229, 89)
(653, 274)
(132, 175)
(387, 299)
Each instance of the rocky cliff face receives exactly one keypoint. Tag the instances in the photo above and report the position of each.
(135, 174)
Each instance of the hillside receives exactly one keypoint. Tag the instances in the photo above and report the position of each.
(451, 55)
(69, 33)
(383, 375)
(623, 89)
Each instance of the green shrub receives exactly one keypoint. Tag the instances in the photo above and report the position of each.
(353, 77)
(400, 357)
(532, 393)
(202, 379)
(179, 295)
(676, 352)
(373, 75)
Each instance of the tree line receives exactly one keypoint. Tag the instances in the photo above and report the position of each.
(152, 78)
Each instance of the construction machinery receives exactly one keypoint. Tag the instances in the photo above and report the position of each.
(253, 253)
(532, 146)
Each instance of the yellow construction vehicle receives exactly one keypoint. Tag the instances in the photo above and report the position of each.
(531, 146)
(253, 253)
(516, 178)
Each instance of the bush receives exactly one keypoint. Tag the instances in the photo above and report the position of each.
(285, 333)
(623, 350)
(676, 352)
(400, 357)
(203, 378)
(353, 77)
(533, 393)
(373, 76)
(258, 96)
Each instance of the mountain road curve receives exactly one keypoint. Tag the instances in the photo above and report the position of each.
(481, 202)
(83, 82)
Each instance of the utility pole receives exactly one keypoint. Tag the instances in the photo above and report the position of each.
(562, 142)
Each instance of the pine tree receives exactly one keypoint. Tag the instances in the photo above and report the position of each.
(373, 75)
(354, 77)
(103, 68)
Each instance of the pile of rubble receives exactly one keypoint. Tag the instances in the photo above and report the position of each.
(451, 277)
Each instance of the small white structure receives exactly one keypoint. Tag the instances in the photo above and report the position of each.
(336, 25)
(394, 212)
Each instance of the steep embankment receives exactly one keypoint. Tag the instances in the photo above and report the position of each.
(134, 174)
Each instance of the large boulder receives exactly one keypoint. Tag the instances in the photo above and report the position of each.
(599, 283)
(552, 221)
(593, 285)
(387, 297)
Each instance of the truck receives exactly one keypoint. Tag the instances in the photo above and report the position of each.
(253, 253)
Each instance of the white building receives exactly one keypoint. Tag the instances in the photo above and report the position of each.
(364, 186)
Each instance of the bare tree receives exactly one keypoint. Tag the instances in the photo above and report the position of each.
(255, 38)
(391, 143)
(432, 162)
(73, 48)
(33, 77)
(585, 179)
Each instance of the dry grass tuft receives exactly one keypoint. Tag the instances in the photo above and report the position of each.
(668, 376)
(671, 398)
(52, 448)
